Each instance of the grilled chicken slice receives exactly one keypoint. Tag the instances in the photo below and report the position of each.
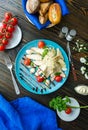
(34, 57)
(37, 50)
(37, 62)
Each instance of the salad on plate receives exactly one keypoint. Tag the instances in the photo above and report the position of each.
(46, 63)
(42, 66)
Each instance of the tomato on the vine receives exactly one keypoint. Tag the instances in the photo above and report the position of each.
(40, 78)
(4, 24)
(68, 110)
(8, 16)
(10, 28)
(8, 35)
(2, 47)
(27, 61)
(41, 44)
(4, 41)
(2, 30)
(1, 35)
(14, 21)
(58, 78)
(6, 29)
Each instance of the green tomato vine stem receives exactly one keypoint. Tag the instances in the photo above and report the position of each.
(78, 107)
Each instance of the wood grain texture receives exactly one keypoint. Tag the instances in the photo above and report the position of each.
(77, 19)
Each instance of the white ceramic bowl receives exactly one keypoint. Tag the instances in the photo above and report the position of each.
(73, 115)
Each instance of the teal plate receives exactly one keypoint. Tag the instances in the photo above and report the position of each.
(31, 84)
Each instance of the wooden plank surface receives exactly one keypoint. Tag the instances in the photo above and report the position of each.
(77, 19)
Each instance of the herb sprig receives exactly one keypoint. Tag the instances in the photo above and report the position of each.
(46, 50)
(60, 104)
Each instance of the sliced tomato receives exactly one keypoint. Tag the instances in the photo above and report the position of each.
(68, 110)
(27, 61)
(41, 44)
(58, 78)
(40, 78)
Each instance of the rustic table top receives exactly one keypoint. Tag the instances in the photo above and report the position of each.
(78, 20)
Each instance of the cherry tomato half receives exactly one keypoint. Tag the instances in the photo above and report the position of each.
(27, 61)
(2, 47)
(68, 110)
(58, 78)
(40, 78)
(7, 16)
(14, 21)
(41, 44)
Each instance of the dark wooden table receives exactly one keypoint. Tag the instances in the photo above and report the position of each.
(77, 19)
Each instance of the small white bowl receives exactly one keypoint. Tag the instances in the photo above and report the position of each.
(73, 115)
(81, 89)
(16, 37)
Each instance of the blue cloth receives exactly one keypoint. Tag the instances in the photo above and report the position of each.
(34, 17)
(26, 114)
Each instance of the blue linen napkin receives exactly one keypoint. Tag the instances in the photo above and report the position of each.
(34, 18)
(26, 114)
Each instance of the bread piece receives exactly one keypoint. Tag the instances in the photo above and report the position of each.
(32, 6)
(43, 19)
(44, 7)
(55, 13)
